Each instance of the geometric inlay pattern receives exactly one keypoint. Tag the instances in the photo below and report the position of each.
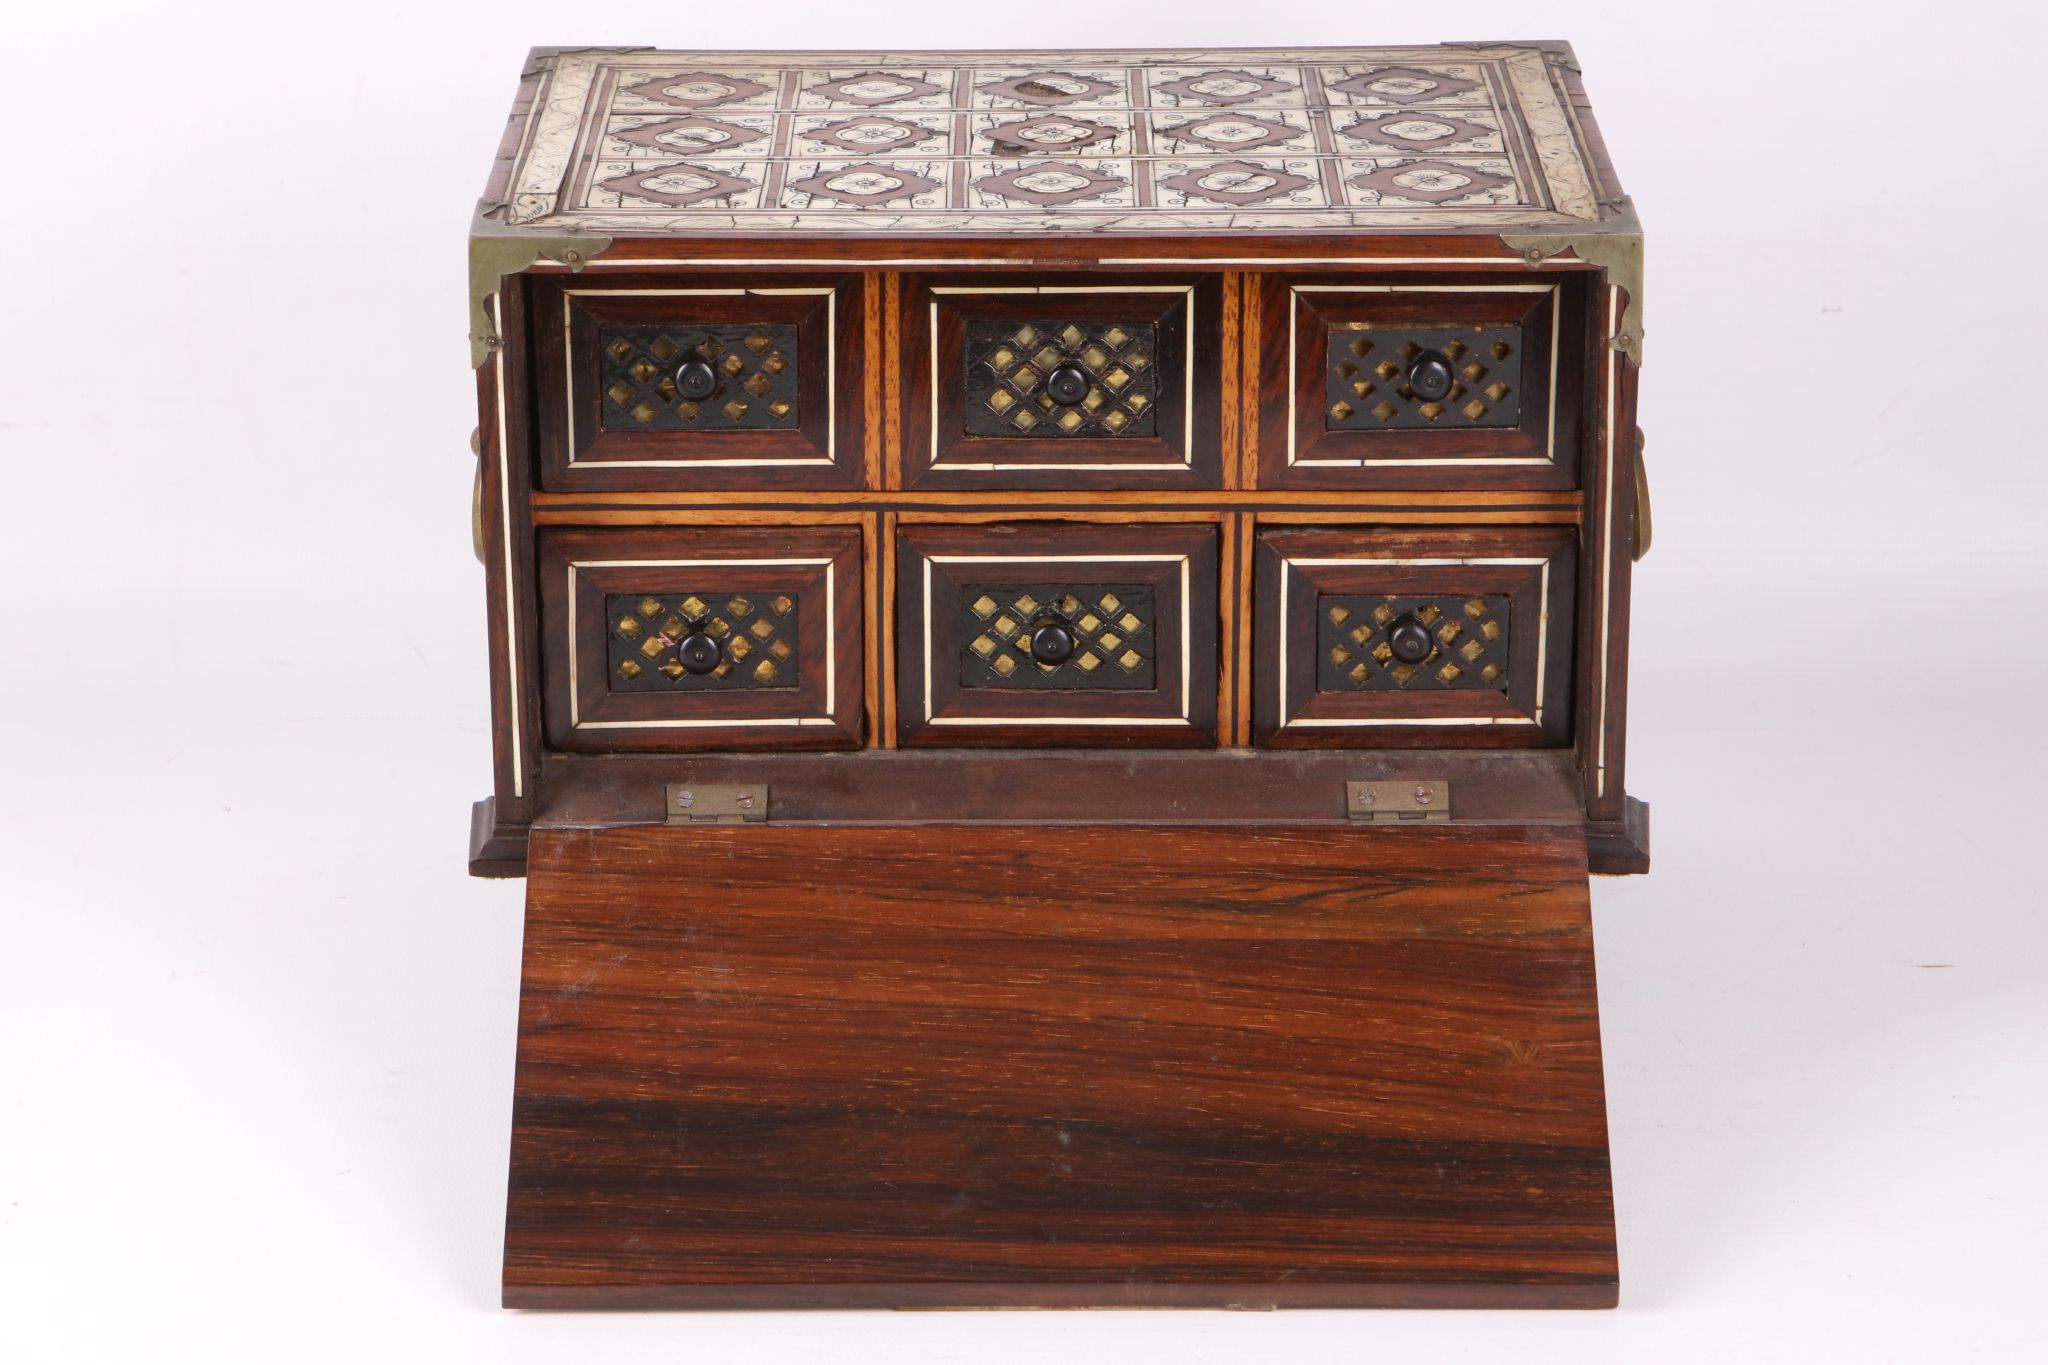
(1043, 133)
(677, 185)
(1049, 88)
(1224, 87)
(1008, 378)
(1367, 371)
(692, 136)
(746, 641)
(642, 143)
(1109, 625)
(1468, 644)
(1048, 183)
(1229, 132)
(875, 87)
(753, 366)
(697, 89)
(1428, 182)
(868, 184)
(1403, 85)
(875, 133)
(1238, 183)
(1417, 130)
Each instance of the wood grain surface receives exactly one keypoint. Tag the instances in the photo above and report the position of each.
(820, 1065)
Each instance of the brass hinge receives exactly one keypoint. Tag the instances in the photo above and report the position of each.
(706, 803)
(1387, 802)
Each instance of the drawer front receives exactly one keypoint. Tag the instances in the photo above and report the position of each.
(1377, 638)
(1043, 633)
(700, 383)
(1400, 385)
(1062, 383)
(702, 638)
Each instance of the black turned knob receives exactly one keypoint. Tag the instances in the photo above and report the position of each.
(1067, 385)
(696, 380)
(1052, 643)
(1429, 375)
(699, 653)
(1409, 639)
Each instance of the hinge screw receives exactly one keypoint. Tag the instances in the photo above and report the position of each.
(745, 800)
(1424, 795)
(686, 799)
(1366, 798)
(1534, 253)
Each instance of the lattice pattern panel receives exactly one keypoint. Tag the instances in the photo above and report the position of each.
(1368, 384)
(648, 651)
(1112, 628)
(754, 369)
(1468, 644)
(1010, 364)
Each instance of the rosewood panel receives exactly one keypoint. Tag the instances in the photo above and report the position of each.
(959, 1065)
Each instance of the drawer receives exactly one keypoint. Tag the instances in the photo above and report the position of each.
(1416, 636)
(1076, 382)
(1426, 384)
(1046, 633)
(668, 383)
(701, 638)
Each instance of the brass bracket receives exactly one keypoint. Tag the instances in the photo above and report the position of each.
(1389, 802)
(495, 252)
(1620, 254)
(709, 803)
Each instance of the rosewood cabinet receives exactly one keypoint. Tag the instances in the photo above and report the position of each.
(1058, 639)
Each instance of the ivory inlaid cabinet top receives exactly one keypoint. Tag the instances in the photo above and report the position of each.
(638, 142)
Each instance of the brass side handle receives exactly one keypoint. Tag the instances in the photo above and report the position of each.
(476, 495)
(1642, 502)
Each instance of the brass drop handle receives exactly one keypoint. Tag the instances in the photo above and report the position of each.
(1067, 385)
(1409, 640)
(1429, 375)
(698, 652)
(696, 380)
(1642, 501)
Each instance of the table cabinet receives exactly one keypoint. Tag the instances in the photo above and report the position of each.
(1058, 659)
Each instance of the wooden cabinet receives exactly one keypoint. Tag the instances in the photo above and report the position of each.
(1058, 614)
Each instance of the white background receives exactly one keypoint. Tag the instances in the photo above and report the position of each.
(256, 1024)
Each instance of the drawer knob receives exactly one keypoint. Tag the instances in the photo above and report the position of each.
(1409, 639)
(1052, 643)
(699, 653)
(1067, 385)
(696, 380)
(1429, 374)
